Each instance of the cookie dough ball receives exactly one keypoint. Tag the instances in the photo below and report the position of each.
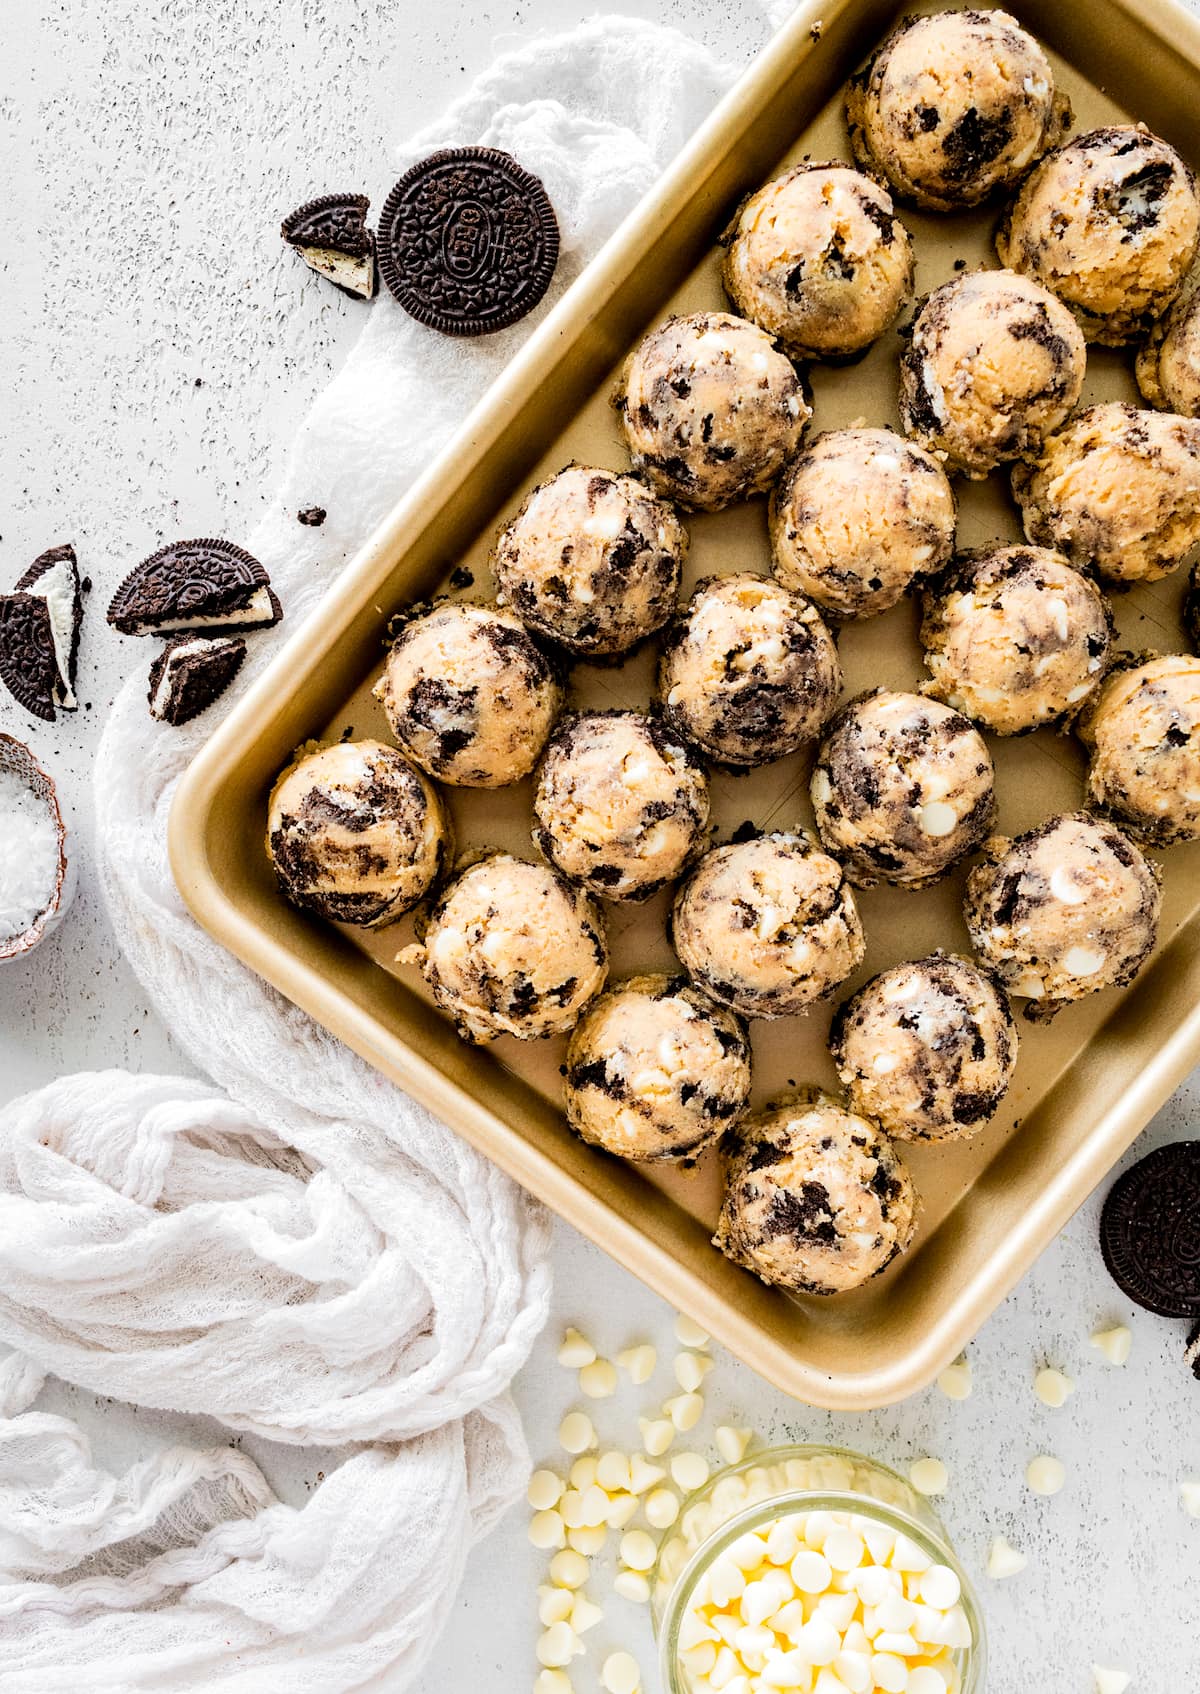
(857, 518)
(748, 671)
(591, 561)
(769, 926)
(356, 833)
(902, 787)
(621, 803)
(1015, 638)
(1168, 366)
(953, 107)
(817, 1200)
(1143, 731)
(512, 949)
(711, 410)
(1118, 491)
(469, 694)
(656, 1071)
(1063, 910)
(994, 364)
(926, 1049)
(820, 260)
(1109, 223)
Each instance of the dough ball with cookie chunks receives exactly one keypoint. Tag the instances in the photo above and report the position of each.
(621, 803)
(1143, 732)
(1168, 365)
(1110, 223)
(954, 107)
(1063, 910)
(901, 789)
(1118, 491)
(591, 562)
(994, 364)
(656, 1071)
(926, 1049)
(748, 670)
(768, 926)
(711, 410)
(817, 1200)
(512, 948)
(469, 694)
(356, 833)
(857, 518)
(820, 260)
(1015, 638)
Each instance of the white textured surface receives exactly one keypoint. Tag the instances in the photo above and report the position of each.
(154, 150)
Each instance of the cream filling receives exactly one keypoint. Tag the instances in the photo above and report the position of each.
(166, 682)
(57, 589)
(357, 274)
(258, 609)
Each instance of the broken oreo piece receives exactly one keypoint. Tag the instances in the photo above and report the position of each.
(1150, 1231)
(190, 673)
(41, 621)
(313, 516)
(468, 241)
(331, 236)
(1192, 1355)
(194, 587)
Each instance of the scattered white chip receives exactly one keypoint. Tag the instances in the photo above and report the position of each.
(584, 1471)
(589, 1541)
(639, 1362)
(621, 1509)
(598, 1380)
(691, 1370)
(929, 1476)
(643, 1476)
(684, 1411)
(547, 1530)
(638, 1550)
(619, 1674)
(955, 1381)
(612, 1471)
(732, 1443)
(632, 1585)
(554, 1606)
(1189, 1490)
(575, 1433)
(569, 1569)
(585, 1614)
(553, 1682)
(661, 1508)
(575, 1351)
(657, 1435)
(544, 1491)
(1110, 1681)
(1045, 1474)
(688, 1332)
(1004, 1561)
(557, 1646)
(1053, 1387)
(689, 1471)
(1114, 1343)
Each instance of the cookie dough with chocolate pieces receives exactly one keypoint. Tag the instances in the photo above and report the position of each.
(767, 926)
(1110, 223)
(331, 236)
(356, 833)
(901, 789)
(656, 1071)
(591, 561)
(1117, 490)
(469, 694)
(954, 107)
(858, 517)
(39, 634)
(1063, 910)
(994, 364)
(195, 587)
(820, 260)
(748, 671)
(1168, 364)
(926, 1049)
(512, 948)
(711, 410)
(1142, 730)
(191, 673)
(621, 803)
(1014, 638)
(817, 1200)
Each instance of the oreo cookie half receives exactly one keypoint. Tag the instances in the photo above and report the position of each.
(41, 622)
(1150, 1231)
(190, 673)
(193, 587)
(331, 236)
(468, 241)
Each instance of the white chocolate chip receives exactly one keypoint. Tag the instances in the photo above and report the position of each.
(657, 1435)
(554, 1606)
(1065, 887)
(553, 1682)
(638, 1550)
(619, 1674)
(907, 1556)
(924, 1679)
(955, 1381)
(732, 1443)
(811, 1571)
(661, 1508)
(689, 1471)
(569, 1569)
(1052, 1387)
(688, 1332)
(589, 1541)
(1083, 961)
(1110, 1681)
(585, 1614)
(939, 1587)
(938, 818)
(612, 1471)
(639, 1362)
(632, 1585)
(584, 1471)
(598, 1380)
(1189, 1493)
(558, 1646)
(576, 1350)
(1115, 1343)
(684, 1411)
(544, 1491)
(643, 1476)
(1004, 1561)
(691, 1370)
(621, 1509)
(575, 1433)
(547, 1530)
(890, 1673)
(1045, 1474)
(929, 1476)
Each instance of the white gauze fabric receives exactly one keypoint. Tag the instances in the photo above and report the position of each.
(306, 1169)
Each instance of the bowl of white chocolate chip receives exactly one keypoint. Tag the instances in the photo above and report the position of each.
(813, 1570)
(37, 878)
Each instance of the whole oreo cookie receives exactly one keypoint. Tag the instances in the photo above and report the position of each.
(1150, 1231)
(468, 241)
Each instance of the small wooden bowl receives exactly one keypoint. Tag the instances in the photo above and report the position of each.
(15, 756)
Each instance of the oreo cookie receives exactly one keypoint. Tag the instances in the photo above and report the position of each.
(190, 673)
(1150, 1231)
(331, 236)
(39, 634)
(194, 587)
(468, 241)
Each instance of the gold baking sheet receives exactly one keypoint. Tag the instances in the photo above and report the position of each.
(1084, 1087)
